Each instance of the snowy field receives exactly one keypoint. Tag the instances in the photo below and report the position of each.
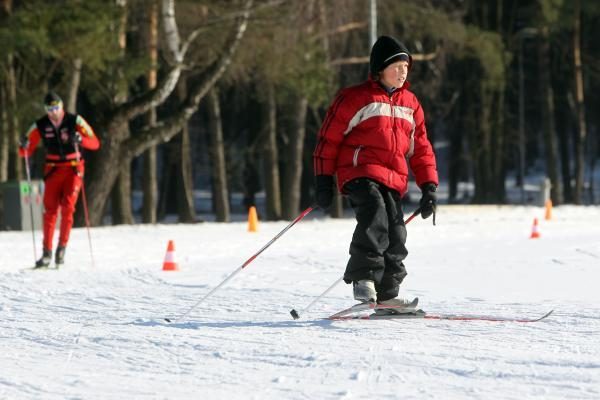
(97, 332)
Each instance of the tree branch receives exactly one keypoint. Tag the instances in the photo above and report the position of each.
(156, 97)
(169, 127)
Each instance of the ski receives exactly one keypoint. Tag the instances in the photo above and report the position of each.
(490, 318)
(447, 317)
(373, 306)
(404, 315)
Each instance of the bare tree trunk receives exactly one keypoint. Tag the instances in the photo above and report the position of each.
(121, 193)
(4, 123)
(121, 197)
(456, 160)
(580, 102)
(150, 178)
(337, 206)
(294, 150)
(217, 152)
(74, 86)
(102, 172)
(498, 139)
(7, 6)
(167, 198)
(500, 146)
(122, 212)
(271, 159)
(4, 136)
(548, 122)
(15, 168)
(176, 188)
(564, 154)
(480, 145)
(149, 182)
(592, 151)
(293, 168)
(185, 196)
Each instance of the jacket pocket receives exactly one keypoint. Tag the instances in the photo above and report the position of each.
(355, 157)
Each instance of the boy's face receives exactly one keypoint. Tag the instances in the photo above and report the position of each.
(394, 75)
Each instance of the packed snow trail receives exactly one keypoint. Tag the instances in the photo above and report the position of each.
(98, 333)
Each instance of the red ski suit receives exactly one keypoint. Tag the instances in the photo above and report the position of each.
(368, 133)
(63, 170)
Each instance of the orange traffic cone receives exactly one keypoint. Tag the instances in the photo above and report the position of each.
(548, 209)
(252, 220)
(534, 230)
(170, 264)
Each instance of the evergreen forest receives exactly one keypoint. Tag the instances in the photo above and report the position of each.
(223, 100)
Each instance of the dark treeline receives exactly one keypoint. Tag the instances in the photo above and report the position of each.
(227, 97)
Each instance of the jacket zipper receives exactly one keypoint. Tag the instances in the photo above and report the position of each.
(394, 141)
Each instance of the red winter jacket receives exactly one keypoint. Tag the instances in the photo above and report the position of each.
(370, 133)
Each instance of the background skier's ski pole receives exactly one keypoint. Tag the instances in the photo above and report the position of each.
(295, 314)
(85, 209)
(30, 204)
(245, 264)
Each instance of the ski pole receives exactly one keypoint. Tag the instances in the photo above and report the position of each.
(245, 264)
(295, 314)
(30, 203)
(85, 208)
(413, 215)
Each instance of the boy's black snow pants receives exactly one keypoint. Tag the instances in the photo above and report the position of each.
(378, 244)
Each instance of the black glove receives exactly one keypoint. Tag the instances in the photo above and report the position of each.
(324, 191)
(76, 138)
(24, 142)
(428, 201)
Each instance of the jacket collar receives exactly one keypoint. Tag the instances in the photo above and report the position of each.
(376, 84)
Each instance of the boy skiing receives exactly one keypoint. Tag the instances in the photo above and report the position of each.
(372, 133)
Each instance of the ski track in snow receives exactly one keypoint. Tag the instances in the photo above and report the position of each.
(99, 332)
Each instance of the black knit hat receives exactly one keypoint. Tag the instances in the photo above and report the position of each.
(52, 99)
(386, 51)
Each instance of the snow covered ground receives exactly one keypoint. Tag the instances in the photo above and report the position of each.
(97, 332)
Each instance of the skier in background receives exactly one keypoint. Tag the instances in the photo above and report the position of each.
(63, 135)
(371, 134)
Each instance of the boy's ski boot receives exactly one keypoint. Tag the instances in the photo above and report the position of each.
(397, 306)
(364, 291)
